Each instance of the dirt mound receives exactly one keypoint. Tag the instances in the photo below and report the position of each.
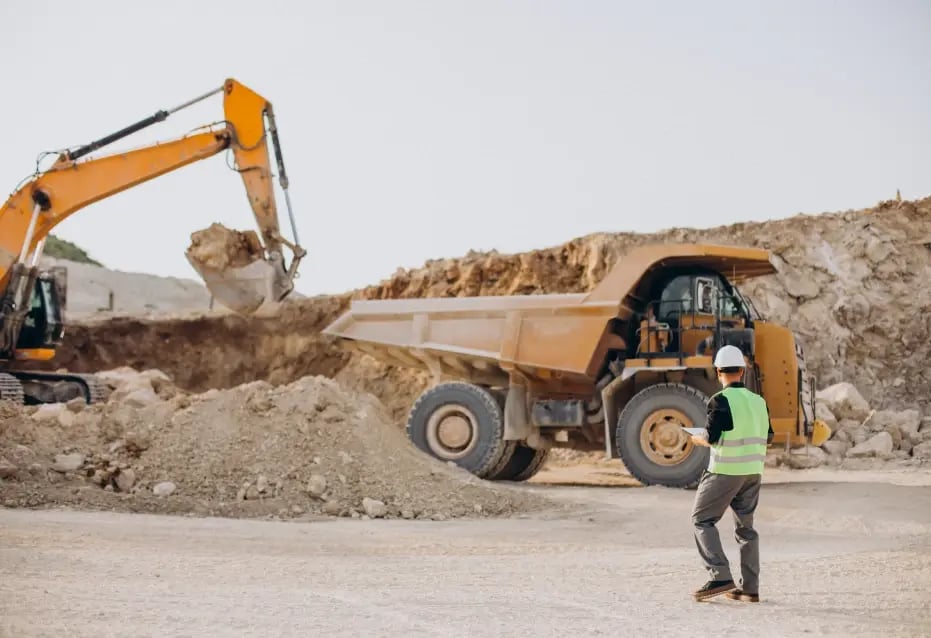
(852, 284)
(305, 448)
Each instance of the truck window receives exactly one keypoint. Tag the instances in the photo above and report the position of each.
(676, 299)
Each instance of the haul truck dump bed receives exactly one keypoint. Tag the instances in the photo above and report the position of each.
(622, 368)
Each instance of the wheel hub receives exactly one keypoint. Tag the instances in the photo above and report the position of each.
(452, 432)
(662, 438)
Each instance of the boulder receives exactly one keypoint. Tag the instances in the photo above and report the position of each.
(878, 445)
(845, 402)
(906, 421)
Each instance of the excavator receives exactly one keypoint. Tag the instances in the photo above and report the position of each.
(32, 301)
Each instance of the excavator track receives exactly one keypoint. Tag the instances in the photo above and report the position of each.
(11, 389)
(91, 388)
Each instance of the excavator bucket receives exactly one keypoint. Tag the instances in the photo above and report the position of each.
(235, 271)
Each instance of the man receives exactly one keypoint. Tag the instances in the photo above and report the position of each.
(738, 431)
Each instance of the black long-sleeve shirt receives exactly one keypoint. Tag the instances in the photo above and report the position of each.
(720, 419)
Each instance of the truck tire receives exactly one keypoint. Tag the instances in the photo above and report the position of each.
(650, 440)
(462, 423)
(523, 464)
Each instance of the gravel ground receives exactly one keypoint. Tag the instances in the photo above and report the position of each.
(839, 559)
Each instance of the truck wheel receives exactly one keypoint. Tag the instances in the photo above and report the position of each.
(650, 438)
(462, 423)
(523, 464)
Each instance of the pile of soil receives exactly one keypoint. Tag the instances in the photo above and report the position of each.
(308, 448)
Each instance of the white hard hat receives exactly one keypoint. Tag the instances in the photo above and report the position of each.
(729, 357)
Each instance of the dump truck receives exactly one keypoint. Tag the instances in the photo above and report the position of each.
(623, 368)
(33, 300)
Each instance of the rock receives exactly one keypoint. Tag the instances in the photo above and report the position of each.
(7, 469)
(344, 457)
(68, 462)
(136, 442)
(100, 477)
(48, 411)
(896, 435)
(297, 510)
(806, 457)
(878, 445)
(252, 493)
(374, 508)
(922, 451)
(66, 418)
(907, 421)
(165, 488)
(141, 398)
(845, 402)
(332, 508)
(75, 405)
(125, 480)
(407, 514)
(835, 447)
(925, 424)
(316, 485)
(906, 445)
(261, 484)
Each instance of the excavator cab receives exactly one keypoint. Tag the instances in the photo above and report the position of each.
(43, 325)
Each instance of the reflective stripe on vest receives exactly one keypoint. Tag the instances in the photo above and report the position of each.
(742, 450)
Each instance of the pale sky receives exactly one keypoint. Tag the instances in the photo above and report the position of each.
(417, 130)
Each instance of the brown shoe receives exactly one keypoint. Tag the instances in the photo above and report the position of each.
(743, 596)
(713, 588)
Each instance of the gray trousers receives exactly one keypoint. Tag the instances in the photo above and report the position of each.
(717, 492)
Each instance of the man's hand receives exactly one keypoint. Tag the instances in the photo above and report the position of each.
(700, 440)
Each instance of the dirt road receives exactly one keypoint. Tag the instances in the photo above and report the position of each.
(840, 559)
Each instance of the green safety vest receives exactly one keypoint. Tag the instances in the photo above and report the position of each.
(742, 451)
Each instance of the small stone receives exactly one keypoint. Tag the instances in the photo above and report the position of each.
(241, 494)
(332, 508)
(878, 445)
(344, 457)
(407, 514)
(100, 478)
(478, 508)
(922, 451)
(317, 460)
(252, 493)
(355, 514)
(835, 447)
(806, 457)
(141, 398)
(36, 469)
(165, 488)
(297, 510)
(374, 508)
(7, 469)
(342, 479)
(261, 484)
(125, 480)
(136, 443)
(316, 485)
(107, 488)
(77, 404)
(439, 517)
(68, 462)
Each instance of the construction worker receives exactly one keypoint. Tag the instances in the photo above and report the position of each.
(737, 431)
